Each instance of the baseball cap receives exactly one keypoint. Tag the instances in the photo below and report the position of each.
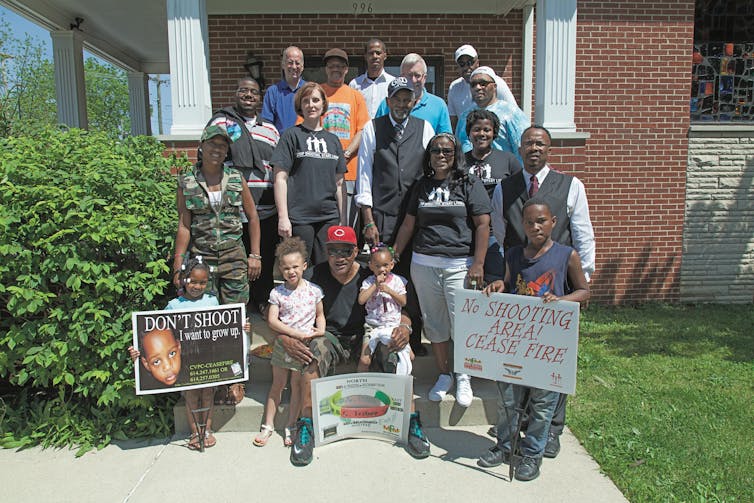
(466, 50)
(484, 70)
(338, 234)
(336, 53)
(398, 84)
(215, 130)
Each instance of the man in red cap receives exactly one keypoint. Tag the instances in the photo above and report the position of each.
(340, 279)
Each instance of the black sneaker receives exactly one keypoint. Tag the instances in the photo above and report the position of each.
(418, 445)
(391, 365)
(528, 469)
(552, 448)
(492, 431)
(303, 445)
(494, 457)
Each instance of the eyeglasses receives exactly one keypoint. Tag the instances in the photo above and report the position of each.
(444, 151)
(414, 76)
(247, 90)
(340, 252)
(468, 62)
(481, 83)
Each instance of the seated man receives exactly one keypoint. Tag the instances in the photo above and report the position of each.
(340, 279)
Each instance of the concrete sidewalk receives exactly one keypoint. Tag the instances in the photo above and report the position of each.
(356, 470)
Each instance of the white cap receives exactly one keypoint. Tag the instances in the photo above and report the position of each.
(486, 70)
(466, 50)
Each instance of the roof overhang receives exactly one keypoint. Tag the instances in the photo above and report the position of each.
(134, 34)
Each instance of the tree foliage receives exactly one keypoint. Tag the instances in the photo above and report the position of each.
(86, 226)
(27, 89)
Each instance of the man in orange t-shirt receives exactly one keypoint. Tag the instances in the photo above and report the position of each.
(347, 112)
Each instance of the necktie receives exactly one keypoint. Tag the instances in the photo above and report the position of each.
(533, 186)
(398, 131)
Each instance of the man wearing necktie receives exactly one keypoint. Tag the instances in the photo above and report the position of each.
(567, 198)
(390, 162)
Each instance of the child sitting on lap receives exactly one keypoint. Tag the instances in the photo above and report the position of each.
(384, 294)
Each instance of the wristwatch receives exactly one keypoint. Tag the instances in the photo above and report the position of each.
(355, 406)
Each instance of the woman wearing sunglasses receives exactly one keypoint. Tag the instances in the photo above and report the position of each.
(448, 216)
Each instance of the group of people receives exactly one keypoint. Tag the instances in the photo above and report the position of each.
(310, 174)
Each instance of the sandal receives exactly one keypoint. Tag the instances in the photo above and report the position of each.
(288, 438)
(265, 432)
(194, 442)
(209, 439)
(236, 393)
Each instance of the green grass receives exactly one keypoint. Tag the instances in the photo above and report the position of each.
(665, 401)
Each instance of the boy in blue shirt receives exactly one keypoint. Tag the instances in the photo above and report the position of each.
(542, 268)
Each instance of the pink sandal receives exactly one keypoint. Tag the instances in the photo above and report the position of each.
(264, 435)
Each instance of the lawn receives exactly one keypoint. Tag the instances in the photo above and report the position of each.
(665, 401)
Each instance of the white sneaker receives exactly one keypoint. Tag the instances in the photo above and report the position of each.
(441, 388)
(464, 395)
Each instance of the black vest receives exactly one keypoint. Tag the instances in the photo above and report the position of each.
(397, 164)
(554, 190)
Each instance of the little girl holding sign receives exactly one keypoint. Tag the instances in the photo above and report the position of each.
(194, 276)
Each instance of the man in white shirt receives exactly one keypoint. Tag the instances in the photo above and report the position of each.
(567, 197)
(373, 84)
(391, 156)
(459, 92)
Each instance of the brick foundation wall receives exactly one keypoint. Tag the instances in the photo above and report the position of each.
(718, 260)
(632, 89)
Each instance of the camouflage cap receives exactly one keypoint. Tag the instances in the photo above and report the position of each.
(215, 130)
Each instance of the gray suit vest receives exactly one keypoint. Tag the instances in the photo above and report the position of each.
(397, 164)
(554, 190)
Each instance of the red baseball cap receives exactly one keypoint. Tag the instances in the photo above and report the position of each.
(341, 234)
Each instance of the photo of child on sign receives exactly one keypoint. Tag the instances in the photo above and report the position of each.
(189, 348)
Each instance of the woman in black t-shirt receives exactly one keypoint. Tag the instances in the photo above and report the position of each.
(309, 169)
(492, 167)
(448, 216)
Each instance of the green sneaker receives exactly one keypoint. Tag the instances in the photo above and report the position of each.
(418, 445)
(303, 446)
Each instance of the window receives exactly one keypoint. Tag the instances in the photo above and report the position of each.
(722, 85)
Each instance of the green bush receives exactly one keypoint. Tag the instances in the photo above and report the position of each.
(86, 230)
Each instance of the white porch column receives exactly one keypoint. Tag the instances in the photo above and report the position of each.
(138, 103)
(70, 87)
(189, 66)
(556, 65)
(527, 72)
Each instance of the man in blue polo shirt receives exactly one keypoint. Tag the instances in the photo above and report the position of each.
(428, 106)
(278, 100)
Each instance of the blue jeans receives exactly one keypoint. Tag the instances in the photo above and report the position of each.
(541, 407)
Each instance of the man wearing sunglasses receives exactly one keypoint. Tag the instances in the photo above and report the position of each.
(459, 92)
(340, 279)
(513, 121)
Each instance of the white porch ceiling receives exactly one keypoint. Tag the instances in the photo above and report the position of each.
(133, 33)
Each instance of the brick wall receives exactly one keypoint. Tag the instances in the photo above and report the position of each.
(632, 96)
(496, 38)
(632, 87)
(718, 259)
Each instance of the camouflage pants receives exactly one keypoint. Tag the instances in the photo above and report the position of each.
(229, 279)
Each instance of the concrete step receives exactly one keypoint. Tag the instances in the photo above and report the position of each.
(247, 416)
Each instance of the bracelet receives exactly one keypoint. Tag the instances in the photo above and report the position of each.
(366, 226)
(255, 256)
(408, 327)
